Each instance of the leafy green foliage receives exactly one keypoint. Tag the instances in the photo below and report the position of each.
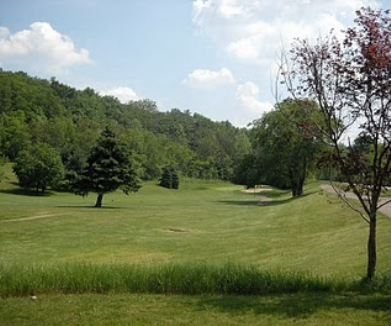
(14, 133)
(108, 168)
(284, 145)
(39, 167)
(70, 120)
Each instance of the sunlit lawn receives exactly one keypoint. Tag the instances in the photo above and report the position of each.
(126, 309)
(219, 224)
(209, 222)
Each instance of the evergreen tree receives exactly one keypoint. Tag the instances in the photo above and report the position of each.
(108, 168)
(169, 179)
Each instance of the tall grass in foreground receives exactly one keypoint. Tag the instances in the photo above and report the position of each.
(233, 279)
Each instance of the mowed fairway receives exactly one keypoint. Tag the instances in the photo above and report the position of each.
(204, 222)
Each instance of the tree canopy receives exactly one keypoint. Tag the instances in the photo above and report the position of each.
(34, 110)
(39, 167)
(284, 145)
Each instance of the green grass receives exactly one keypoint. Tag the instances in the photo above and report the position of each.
(305, 256)
(315, 233)
(193, 279)
(125, 309)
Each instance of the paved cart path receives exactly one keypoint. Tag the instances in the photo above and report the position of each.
(386, 209)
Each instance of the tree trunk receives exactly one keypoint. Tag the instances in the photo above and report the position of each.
(371, 268)
(99, 200)
(297, 187)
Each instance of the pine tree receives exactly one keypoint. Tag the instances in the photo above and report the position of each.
(169, 179)
(108, 168)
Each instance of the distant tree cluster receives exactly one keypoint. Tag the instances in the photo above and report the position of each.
(169, 179)
(36, 112)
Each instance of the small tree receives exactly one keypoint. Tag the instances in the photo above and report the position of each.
(39, 167)
(169, 179)
(350, 80)
(108, 168)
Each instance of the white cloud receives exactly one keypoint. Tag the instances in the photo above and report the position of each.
(40, 48)
(199, 6)
(209, 79)
(123, 94)
(253, 31)
(232, 8)
(247, 95)
(245, 49)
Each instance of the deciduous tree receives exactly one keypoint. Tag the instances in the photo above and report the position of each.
(39, 167)
(285, 145)
(350, 79)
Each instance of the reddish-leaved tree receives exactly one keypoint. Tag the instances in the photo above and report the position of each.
(350, 80)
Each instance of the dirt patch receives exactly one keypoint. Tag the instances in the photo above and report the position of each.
(256, 190)
(178, 230)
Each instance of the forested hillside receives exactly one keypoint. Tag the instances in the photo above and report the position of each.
(35, 111)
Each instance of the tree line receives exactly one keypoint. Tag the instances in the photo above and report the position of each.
(46, 113)
(46, 119)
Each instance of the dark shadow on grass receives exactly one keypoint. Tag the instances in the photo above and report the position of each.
(239, 202)
(258, 202)
(301, 305)
(92, 207)
(26, 192)
(264, 200)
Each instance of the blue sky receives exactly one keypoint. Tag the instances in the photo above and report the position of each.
(214, 57)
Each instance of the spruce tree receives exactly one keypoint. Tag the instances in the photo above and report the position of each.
(169, 179)
(108, 168)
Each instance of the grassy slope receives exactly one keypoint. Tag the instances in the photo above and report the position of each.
(206, 222)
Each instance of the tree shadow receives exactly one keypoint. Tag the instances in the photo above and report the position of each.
(108, 207)
(266, 199)
(27, 192)
(301, 305)
(239, 202)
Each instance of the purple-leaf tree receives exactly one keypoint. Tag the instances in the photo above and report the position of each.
(350, 80)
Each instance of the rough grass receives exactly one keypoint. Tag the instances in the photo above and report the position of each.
(195, 279)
